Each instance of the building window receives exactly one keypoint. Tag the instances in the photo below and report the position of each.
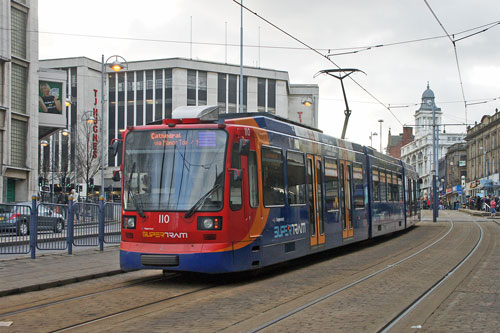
(261, 95)
(2, 81)
(232, 93)
(158, 94)
(130, 98)
(19, 24)
(139, 102)
(19, 79)
(191, 87)
(18, 143)
(168, 93)
(221, 92)
(149, 96)
(202, 88)
(271, 96)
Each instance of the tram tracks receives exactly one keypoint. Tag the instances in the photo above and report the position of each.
(394, 321)
(167, 307)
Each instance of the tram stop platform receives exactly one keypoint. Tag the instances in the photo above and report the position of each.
(19, 274)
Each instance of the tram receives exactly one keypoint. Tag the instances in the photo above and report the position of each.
(217, 193)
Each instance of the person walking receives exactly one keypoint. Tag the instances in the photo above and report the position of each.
(493, 206)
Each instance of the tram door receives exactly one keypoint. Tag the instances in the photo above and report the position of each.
(346, 198)
(315, 199)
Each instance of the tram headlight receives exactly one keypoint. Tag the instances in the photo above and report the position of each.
(128, 222)
(209, 223)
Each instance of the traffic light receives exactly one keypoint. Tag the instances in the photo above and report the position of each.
(91, 182)
(40, 180)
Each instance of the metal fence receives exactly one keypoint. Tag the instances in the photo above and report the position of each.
(56, 226)
(15, 228)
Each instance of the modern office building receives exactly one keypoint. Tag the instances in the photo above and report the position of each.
(19, 99)
(149, 90)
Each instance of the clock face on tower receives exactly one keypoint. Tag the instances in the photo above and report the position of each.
(429, 102)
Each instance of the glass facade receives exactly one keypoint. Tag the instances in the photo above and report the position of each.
(18, 143)
(19, 24)
(19, 89)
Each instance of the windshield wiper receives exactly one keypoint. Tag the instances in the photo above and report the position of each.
(131, 194)
(201, 201)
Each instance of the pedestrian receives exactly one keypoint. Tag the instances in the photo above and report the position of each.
(493, 206)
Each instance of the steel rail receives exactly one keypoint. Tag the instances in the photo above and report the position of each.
(130, 310)
(70, 299)
(429, 291)
(352, 284)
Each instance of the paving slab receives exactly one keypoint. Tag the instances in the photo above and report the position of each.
(23, 274)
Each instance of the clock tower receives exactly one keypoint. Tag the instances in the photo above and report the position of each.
(423, 116)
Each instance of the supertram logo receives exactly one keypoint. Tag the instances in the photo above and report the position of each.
(161, 234)
(289, 230)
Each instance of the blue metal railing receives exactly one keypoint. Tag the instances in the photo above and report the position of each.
(28, 227)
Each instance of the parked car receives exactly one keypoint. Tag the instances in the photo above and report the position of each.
(16, 218)
(48, 219)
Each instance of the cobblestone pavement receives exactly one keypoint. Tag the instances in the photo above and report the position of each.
(469, 302)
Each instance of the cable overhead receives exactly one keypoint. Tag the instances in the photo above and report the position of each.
(453, 42)
(355, 49)
(322, 55)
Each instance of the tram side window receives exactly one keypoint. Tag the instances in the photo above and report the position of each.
(400, 187)
(235, 184)
(296, 178)
(383, 186)
(389, 190)
(272, 177)
(253, 179)
(357, 176)
(395, 194)
(376, 185)
(331, 185)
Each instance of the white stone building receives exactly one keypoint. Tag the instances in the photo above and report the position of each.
(419, 152)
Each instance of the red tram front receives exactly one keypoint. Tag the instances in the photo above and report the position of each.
(190, 198)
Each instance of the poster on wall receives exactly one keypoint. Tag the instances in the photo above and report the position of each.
(49, 97)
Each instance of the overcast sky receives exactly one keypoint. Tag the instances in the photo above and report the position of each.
(396, 75)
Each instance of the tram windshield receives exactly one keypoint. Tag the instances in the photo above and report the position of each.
(171, 170)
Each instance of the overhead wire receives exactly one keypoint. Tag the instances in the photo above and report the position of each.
(456, 56)
(322, 55)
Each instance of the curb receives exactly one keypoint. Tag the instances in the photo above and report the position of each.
(52, 284)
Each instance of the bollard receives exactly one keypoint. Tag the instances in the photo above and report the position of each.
(32, 226)
(101, 223)
(71, 224)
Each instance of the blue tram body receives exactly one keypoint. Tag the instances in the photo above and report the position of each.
(252, 190)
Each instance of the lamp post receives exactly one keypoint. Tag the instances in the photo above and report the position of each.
(372, 134)
(310, 101)
(381, 121)
(117, 66)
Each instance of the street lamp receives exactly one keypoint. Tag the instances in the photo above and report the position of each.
(310, 101)
(381, 121)
(117, 65)
(372, 134)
